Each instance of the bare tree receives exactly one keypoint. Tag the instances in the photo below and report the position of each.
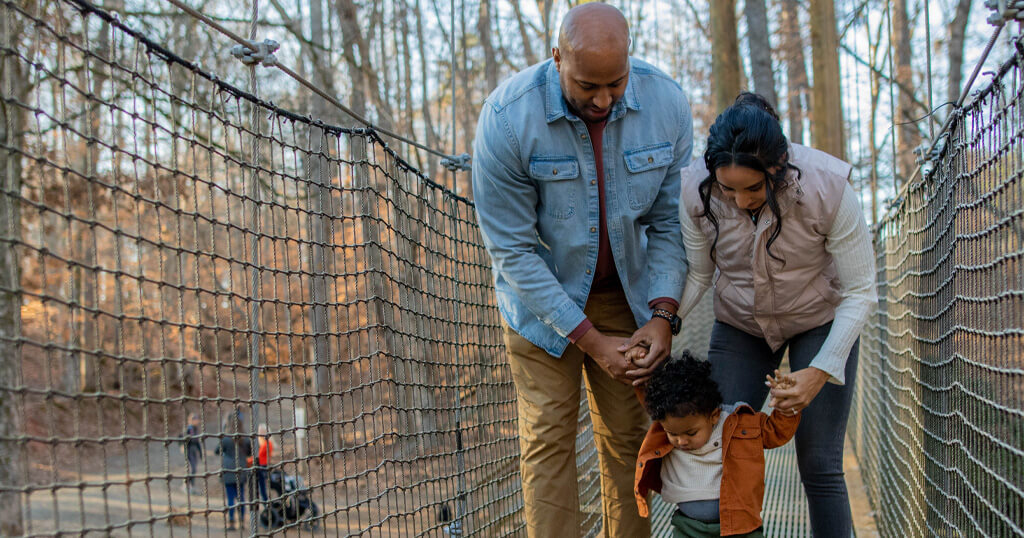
(725, 55)
(483, 28)
(908, 136)
(760, 50)
(528, 53)
(428, 124)
(14, 83)
(544, 6)
(955, 47)
(826, 99)
(796, 68)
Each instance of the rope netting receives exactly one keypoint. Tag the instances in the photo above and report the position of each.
(172, 245)
(939, 413)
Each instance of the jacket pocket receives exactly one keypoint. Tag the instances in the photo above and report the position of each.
(557, 192)
(645, 172)
(746, 443)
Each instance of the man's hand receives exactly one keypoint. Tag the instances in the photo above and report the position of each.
(656, 337)
(604, 350)
(802, 387)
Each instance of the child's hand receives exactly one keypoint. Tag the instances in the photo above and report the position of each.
(779, 381)
(636, 353)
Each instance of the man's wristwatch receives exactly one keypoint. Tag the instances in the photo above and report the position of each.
(674, 322)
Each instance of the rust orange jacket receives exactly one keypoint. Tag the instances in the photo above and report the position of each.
(745, 435)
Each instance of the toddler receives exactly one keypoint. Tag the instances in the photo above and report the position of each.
(704, 457)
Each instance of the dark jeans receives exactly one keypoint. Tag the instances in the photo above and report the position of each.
(261, 482)
(233, 493)
(740, 362)
(193, 466)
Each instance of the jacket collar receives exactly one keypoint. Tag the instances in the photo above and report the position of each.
(555, 106)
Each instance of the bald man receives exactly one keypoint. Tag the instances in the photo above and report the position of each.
(576, 182)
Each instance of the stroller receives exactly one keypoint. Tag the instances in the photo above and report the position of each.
(290, 503)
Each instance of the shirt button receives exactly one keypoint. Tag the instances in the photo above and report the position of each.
(650, 159)
(583, 136)
(554, 170)
(716, 443)
(588, 271)
(657, 452)
(593, 229)
(641, 464)
(744, 432)
(593, 182)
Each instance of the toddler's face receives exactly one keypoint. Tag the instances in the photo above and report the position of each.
(692, 431)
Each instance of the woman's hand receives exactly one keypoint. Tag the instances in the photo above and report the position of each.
(799, 390)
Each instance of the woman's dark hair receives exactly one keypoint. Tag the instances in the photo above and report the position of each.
(681, 386)
(748, 134)
(756, 100)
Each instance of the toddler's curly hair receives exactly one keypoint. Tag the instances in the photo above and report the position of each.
(682, 386)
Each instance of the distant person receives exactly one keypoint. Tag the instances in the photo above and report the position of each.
(779, 230)
(576, 183)
(234, 449)
(193, 449)
(703, 457)
(264, 451)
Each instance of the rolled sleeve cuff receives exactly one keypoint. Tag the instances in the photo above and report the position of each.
(580, 330)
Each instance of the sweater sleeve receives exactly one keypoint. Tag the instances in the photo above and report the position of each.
(849, 243)
(698, 257)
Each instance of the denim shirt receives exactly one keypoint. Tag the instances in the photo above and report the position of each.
(536, 195)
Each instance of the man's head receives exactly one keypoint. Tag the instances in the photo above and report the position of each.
(592, 58)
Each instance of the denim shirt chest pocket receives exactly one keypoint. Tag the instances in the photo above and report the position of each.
(557, 191)
(645, 172)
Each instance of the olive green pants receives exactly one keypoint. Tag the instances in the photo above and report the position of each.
(685, 527)
(548, 401)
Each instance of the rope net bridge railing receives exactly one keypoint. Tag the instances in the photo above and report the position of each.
(172, 245)
(939, 411)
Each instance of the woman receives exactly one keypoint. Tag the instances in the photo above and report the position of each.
(234, 449)
(783, 228)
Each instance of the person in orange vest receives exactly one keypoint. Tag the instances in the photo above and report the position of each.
(265, 450)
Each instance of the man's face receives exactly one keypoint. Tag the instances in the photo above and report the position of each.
(592, 81)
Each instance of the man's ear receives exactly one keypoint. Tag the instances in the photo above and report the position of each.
(557, 57)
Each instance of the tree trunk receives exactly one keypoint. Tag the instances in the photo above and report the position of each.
(483, 28)
(468, 109)
(725, 56)
(428, 124)
(796, 68)
(827, 128)
(760, 50)
(908, 136)
(544, 6)
(351, 38)
(876, 86)
(14, 82)
(528, 53)
(320, 207)
(957, 29)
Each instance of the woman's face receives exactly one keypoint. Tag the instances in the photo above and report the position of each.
(744, 186)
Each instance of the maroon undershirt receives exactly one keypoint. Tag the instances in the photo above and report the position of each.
(606, 276)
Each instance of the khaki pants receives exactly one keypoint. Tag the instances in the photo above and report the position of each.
(548, 391)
